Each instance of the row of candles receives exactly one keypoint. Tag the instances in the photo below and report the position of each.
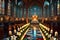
(49, 34)
(17, 32)
(8, 18)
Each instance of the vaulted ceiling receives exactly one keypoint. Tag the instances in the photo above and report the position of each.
(28, 3)
(33, 2)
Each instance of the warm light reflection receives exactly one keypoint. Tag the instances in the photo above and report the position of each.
(34, 17)
(34, 28)
(44, 27)
(42, 34)
(24, 34)
(25, 25)
(34, 33)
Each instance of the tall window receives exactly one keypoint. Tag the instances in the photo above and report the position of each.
(3, 6)
(58, 7)
(9, 7)
(0, 6)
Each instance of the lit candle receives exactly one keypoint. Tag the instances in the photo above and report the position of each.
(7, 38)
(56, 33)
(14, 30)
(51, 31)
(18, 33)
(14, 37)
(18, 29)
(0, 6)
(10, 33)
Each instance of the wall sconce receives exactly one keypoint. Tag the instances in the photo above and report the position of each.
(46, 19)
(7, 18)
(22, 19)
(55, 18)
(1, 19)
(16, 19)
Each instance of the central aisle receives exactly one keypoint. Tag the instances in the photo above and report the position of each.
(33, 34)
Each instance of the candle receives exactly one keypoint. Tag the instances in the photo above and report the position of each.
(14, 37)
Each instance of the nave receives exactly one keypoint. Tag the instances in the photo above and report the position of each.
(29, 19)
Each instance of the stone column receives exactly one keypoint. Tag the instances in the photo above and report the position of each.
(26, 14)
(49, 10)
(42, 12)
(6, 7)
(22, 12)
(55, 8)
(46, 12)
(52, 13)
(16, 7)
(12, 8)
(18, 12)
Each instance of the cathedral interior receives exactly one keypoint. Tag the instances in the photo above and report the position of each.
(29, 19)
